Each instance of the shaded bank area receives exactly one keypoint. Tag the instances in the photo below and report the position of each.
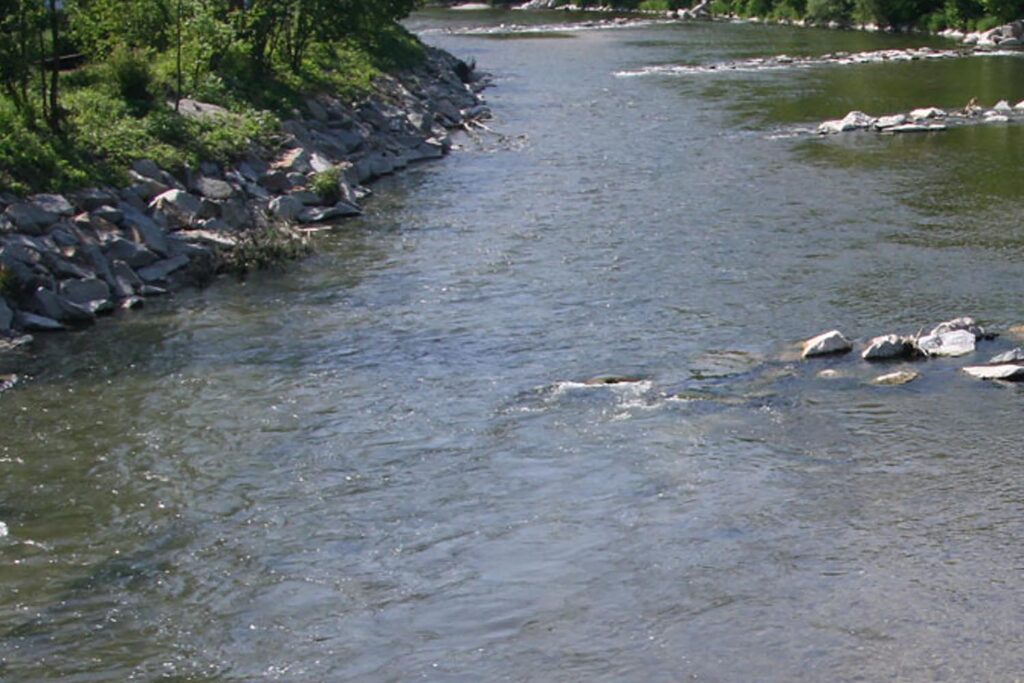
(67, 258)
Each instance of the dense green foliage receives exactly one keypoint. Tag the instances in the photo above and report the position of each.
(88, 85)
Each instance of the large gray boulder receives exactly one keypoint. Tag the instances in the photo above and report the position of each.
(92, 198)
(211, 188)
(126, 282)
(30, 218)
(52, 305)
(181, 208)
(286, 208)
(131, 253)
(144, 230)
(53, 203)
(825, 344)
(91, 293)
(887, 347)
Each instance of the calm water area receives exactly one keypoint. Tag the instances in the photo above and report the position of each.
(382, 463)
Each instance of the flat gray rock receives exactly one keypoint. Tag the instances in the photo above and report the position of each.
(161, 269)
(825, 344)
(37, 323)
(1014, 356)
(1009, 372)
(321, 215)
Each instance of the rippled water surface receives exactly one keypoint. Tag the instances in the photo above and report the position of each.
(384, 464)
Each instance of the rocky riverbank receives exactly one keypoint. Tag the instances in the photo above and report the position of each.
(67, 259)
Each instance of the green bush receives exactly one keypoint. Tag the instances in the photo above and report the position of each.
(824, 11)
(261, 249)
(131, 76)
(327, 184)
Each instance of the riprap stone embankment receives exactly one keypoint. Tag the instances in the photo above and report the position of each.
(67, 258)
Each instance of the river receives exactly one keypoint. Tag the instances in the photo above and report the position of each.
(382, 464)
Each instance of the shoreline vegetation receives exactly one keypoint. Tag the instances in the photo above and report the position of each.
(139, 156)
(981, 22)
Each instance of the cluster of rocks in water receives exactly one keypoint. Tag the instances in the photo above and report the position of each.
(1007, 35)
(953, 338)
(65, 259)
(924, 120)
(789, 62)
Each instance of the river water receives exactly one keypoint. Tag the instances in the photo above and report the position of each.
(381, 464)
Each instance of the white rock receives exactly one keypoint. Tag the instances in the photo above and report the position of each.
(832, 127)
(883, 122)
(895, 378)
(886, 347)
(962, 323)
(927, 113)
(996, 118)
(916, 128)
(1019, 106)
(826, 343)
(855, 120)
(1003, 107)
(859, 119)
(955, 343)
(1010, 372)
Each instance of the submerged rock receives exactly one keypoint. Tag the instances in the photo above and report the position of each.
(888, 347)
(916, 128)
(1009, 372)
(825, 344)
(896, 378)
(612, 379)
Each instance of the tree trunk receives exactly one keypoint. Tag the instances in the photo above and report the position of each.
(55, 71)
